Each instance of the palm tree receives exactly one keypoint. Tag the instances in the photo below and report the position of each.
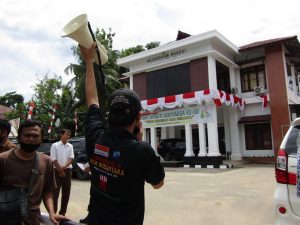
(76, 84)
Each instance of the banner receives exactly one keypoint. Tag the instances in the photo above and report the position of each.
(181, 116)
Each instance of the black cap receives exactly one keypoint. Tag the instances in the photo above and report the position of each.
(124, 105)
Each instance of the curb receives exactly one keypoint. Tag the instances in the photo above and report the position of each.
(222, 166)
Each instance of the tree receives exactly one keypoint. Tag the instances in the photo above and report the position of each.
(134, 50)
(151, 45)
(110, 69)
(112, 72)
(11, 99)
(131, 51)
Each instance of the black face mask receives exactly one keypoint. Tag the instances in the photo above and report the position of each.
(29, 147)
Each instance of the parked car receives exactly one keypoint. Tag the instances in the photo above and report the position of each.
(174, 148)
(286, 202)
(79, 154)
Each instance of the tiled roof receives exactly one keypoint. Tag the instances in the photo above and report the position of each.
(264, 43)
(4, 109)
(182, 35)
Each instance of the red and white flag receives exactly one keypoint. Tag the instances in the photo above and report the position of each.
(75, 121)
(52, 114)
(101, 150)
(30, 112)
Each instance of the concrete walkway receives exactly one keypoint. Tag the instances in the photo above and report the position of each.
(242, 195)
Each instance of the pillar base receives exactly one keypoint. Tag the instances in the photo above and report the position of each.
(203, 161)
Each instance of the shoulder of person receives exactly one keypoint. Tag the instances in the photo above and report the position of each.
(44, 157)
(144, 146)
(11, 145)
(55, 143)
(6, 153)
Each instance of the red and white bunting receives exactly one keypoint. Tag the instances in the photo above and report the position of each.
(30, 112)
(192, 98)
(264, 101)
(75, 121)
(52, 114)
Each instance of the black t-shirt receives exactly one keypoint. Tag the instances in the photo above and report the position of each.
(120, 165)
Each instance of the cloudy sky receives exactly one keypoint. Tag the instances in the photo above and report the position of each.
(31, 46)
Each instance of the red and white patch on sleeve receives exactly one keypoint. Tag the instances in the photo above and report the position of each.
(101, 150)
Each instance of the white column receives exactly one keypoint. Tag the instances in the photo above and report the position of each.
(171, 132)
(212, 132)
(293, 79)
(227, 128)
(163, 133)
(212, 127)
(188, 140)
(144, 138)
(232, 78)
(202, 139)
(153, 139)
(235, 134)
(212, 72)
(131, 82)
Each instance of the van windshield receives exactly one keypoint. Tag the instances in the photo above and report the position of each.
(293, 141)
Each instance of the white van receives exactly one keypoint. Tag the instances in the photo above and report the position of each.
(286, 202)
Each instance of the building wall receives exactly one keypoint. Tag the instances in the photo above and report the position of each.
(140, 85)
(198, 78)
(199, 74)
(277, 92)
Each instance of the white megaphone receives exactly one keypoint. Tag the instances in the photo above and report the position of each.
(78, 30)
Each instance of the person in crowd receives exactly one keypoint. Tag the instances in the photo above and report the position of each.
(5, 144)
(16, 168)
(62, 154)
(119, 163)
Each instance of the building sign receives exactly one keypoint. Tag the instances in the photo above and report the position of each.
(175, 117)
(167, 56)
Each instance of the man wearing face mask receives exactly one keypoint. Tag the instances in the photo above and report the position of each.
(5, 144)
(16, 168)
(119, 163)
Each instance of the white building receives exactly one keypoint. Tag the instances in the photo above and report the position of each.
(257, 86)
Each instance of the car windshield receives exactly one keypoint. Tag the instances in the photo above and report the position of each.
(180, 144)
(293, 141)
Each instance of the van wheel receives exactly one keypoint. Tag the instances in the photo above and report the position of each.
(168, 156)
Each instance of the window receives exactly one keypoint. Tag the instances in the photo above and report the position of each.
(169, 81)
(258, 136)
(293, 141)
(253, 76)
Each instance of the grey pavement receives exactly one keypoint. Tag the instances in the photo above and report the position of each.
(242, 195)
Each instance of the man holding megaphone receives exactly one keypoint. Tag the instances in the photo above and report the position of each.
(120, 164)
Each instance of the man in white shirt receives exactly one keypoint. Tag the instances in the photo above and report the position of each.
(62, 154)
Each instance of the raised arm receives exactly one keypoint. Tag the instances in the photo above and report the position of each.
(90, 82)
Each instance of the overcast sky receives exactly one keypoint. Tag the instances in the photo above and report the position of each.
(31, 46)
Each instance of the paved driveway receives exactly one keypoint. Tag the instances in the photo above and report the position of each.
(237, 196)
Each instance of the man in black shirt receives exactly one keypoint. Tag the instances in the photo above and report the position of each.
(119, 163)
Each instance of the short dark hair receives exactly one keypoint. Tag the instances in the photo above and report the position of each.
(124, 106)
(63, 131)
(5, 125)
(30, 123)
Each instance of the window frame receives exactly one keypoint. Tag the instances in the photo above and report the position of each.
(245, 75)
(254, 139)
